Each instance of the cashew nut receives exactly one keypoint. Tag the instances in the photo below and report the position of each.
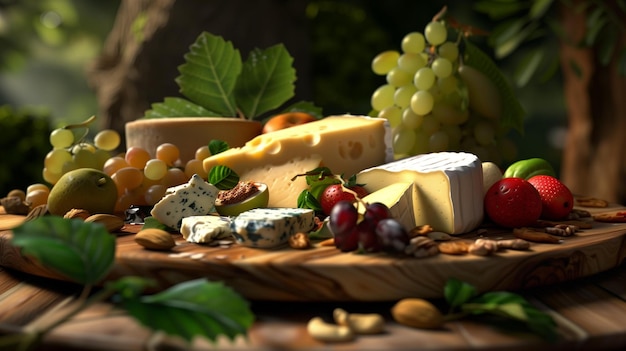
(320, 330)
(359, 323)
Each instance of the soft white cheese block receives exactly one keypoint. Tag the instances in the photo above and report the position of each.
(195, 198)
(205, 229)
(269, 227)
(399, 198)
(346, 144)
(449, 188)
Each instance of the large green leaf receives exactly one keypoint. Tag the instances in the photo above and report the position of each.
(528, 66)
(193, 308)
(83, 252)
(268, 81)
(498, 10)
(209, 74)
(178, 107)
(512, 111)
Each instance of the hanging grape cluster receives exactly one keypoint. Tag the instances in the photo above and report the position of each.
(434, 102)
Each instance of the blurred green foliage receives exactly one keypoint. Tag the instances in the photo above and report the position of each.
(24, 144)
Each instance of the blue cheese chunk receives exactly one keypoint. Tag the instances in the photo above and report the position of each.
(269, 227)
(195, 198)
(205, 229)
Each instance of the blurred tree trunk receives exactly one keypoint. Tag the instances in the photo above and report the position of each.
(146, 45)
(594, 157)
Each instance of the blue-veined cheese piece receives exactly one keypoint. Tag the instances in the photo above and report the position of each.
(195, 198)
(205, 229)
(269, 227)
(449, 188)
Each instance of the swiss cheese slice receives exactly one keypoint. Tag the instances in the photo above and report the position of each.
(346, 144)
(449, 188)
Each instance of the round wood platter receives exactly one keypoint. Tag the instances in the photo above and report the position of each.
(324, 273)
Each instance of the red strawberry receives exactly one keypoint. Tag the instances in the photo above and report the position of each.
(513, 202)
(556, 198)
(335, 193)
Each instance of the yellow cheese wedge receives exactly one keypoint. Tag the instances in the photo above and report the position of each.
(399, 198)
(346, 144)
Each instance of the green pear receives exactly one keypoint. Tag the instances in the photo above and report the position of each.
(84, 188)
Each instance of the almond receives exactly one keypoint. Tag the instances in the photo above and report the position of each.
(112, 223)
(155, 239)
(417, 313)
(77, 213)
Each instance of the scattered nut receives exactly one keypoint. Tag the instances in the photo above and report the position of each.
(17, 193)
(14, 205)
(577, 213)
(591, 202)
(327, 242)
(155, 239)
(421, 246)
(77, 213)
(483, 247)
(454, 247)
(535, 235)
(37, 212)
(360, 323)
(420, 230)
(514, 244)
(112, 223)
(299, 241)
(322, 331)
(439, 236)
(417, 313)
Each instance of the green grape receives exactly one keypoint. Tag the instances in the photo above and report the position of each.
(402, 96)
(442, 67)
(430, 125)
(55, 159)
(438, 141)
(403, 141)
(422, 144)
(107, 140)
(50, 177)
(195, 167)
(484, 133)
(449, 115)
(398, 77)
(411, 120)
(454, 136)
(85, 158)
(413, 42)
(422, 102)
(155, 169)
(424, 78)
(83, 146)
(449, 50)
(448, 84)
(385, 61)
(69, 166)
(393, 114)
(411, 62)
(382, 97)
(137, 157)
(436, 33)
(101, 157)
(61, 138)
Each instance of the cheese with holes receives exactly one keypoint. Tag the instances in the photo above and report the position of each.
(194, 198)
(205, 229)
(345, 144)
(269, 227)
(449, 188)
(399, 198)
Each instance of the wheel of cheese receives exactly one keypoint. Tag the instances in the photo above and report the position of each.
(189, 133)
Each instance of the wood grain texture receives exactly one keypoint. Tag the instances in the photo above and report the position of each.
(326, 274)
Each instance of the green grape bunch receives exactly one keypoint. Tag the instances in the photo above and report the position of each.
(443, 94)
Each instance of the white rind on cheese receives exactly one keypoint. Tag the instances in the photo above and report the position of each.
(346, 144)
(205, 229)
(399, 198)
(194, 198)
(270, 227)
(449, 188)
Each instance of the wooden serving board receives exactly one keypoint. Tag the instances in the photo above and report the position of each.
(326, 274)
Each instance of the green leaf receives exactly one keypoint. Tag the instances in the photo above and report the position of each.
(539, 8)
(527, 68)
(193, 308)
(596, 21)
(209, 74)
(607, 45)
(305, 106)
(510, 41)
(223, 177)
(130, 286)
(308, 200)
(151, 222)
(512, 111)
(83, 252)
(177, 107)
(457, 292)
(218, 146)
(267, 81)
(498, 10)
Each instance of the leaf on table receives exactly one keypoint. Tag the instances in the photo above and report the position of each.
(457, 292)
(177, 107)
(209, 74)
(267, 81)
(223, 177)
(81, 251)
(193, 308)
